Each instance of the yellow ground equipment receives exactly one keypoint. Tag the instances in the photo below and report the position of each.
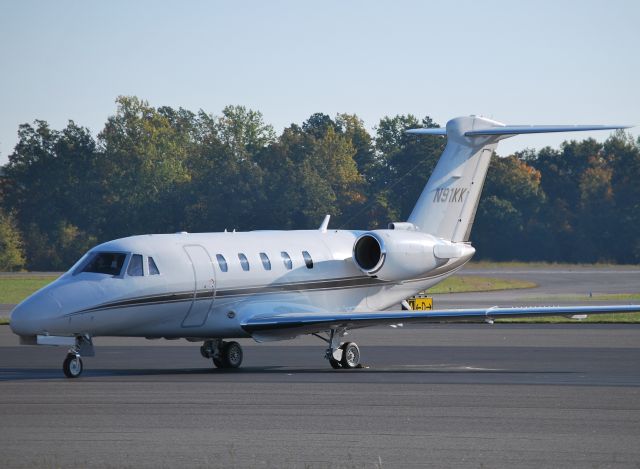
(421, 303)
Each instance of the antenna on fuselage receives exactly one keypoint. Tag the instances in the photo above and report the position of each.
(325, 224)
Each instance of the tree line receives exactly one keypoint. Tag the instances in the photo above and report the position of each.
(159, 170)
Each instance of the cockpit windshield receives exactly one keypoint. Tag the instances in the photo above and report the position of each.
(109, 263)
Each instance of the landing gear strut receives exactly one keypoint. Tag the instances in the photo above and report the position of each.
(341, 354)
(223, 354)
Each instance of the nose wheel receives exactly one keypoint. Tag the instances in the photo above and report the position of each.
(72, 365)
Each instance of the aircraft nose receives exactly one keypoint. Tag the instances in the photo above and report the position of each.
(32, 315)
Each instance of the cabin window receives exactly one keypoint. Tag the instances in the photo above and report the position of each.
(243, 262)
(307, 259)
(222, 262)
(153, 268)
(287, 260)
(135, 266)
(265, 261)
(109, 263)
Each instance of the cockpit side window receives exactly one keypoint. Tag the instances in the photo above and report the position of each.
(109, 263)
(153, 268)
(135, 266)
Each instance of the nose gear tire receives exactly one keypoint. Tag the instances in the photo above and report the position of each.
(72, 366)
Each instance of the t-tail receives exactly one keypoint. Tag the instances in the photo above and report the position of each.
(447, 206)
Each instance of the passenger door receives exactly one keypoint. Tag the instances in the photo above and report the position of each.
(204, 286)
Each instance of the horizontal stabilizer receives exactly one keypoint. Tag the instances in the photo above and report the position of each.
(520, 129)
(436, 131)
(540, 129)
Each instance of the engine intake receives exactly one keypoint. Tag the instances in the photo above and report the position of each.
(369, 253)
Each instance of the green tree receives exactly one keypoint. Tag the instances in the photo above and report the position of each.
(352, 127)
(623, 155)
(11, 246)
(52, 179)
(332, 159)
(57, 248)
(243, 131)
(145, 169)
(311, 173)
(507, 216)
(407, 162)
(591, 193)
(227, 181)
(369, 210)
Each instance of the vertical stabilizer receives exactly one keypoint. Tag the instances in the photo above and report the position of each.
(447, 206)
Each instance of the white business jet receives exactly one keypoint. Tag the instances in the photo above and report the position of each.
(276, 285)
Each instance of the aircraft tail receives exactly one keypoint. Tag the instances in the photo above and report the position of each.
(447, 206)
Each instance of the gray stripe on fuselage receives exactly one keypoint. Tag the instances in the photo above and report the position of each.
(334, 284)
(307, 286)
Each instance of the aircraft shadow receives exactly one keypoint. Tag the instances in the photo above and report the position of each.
(25, 374)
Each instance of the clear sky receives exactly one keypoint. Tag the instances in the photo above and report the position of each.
(520, 62)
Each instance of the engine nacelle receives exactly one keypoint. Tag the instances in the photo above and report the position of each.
(401, 255)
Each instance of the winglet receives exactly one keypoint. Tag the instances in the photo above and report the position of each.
(325, 224)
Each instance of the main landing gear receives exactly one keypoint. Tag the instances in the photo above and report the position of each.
(223, 354)
(341, 354)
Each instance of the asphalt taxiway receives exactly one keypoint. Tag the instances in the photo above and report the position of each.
(471, 396)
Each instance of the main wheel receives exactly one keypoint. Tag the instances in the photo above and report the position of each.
(204, 351)
(231, 355)
(335, 364)
(217, 362)
(350, 355)
(72, 366)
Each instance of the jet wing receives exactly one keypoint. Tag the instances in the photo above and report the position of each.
(279, 325)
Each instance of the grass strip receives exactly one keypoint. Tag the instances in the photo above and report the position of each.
(15, 289)
(476, 283)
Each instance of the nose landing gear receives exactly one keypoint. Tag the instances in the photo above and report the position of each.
(72, 365)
